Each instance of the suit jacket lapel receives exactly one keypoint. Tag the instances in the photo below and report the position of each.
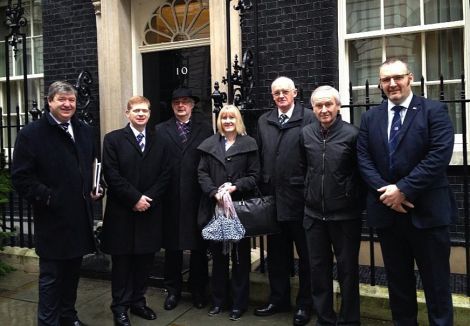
(131, 138)
(414, 107)
(149, 140)
(383, 120)
(171, 129)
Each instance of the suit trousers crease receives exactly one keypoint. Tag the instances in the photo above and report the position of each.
(58, 282)
(239, 284)
(341, 239)
(129, 280)
(402, 244)
(198, 272)
(280, 265)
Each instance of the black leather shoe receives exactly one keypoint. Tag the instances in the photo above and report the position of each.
(71, 322)
(121, 319)
(143, 312)
(268, 310)
(171, 301)
(301, 317)
(215, 310)
(235, 314)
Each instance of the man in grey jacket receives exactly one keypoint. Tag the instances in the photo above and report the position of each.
(332, 208)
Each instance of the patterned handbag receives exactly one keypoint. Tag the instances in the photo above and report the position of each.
(224, 225)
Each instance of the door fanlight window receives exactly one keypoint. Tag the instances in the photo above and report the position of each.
(178, 20)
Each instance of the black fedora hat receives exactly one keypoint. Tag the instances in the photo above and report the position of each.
(184, 92)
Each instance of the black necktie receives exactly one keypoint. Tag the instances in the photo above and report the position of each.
(65, 127)
(283, 118)
(394, 133)
(140, 141)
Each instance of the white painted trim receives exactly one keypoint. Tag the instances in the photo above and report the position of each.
(405, 30)
(174, 45)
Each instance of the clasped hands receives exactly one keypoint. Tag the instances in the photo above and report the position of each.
(394, 198)
(226, 187)
(143, 204)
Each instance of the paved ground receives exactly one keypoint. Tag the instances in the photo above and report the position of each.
(18, 304)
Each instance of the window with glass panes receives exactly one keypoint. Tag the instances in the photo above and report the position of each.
(429, 34)
(35, 76)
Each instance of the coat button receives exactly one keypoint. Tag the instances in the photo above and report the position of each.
(229, 158)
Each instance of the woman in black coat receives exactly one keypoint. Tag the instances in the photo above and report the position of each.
(228, 157)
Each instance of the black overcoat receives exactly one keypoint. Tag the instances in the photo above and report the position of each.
(281, 171)
(181, 202)
(54, 173)
(129, 174)
(238, 165)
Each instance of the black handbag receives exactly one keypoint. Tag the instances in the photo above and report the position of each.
(258, 215)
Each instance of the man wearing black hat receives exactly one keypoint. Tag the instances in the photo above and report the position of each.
(183, 133)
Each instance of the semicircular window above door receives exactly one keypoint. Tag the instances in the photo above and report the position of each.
(178, 20)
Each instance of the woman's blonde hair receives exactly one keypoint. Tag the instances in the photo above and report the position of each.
(231, 110)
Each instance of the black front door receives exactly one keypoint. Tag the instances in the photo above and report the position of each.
(164, 71)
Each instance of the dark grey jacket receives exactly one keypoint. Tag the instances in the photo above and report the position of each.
(181, 201)
(281, 172)
(131, 173)
(54, 174)
(239, 165)
(333, 188)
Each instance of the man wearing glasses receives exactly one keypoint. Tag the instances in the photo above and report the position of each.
(404, 147)
(282, 176)
(183, 133)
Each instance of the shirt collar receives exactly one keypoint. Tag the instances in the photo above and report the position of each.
(135, 131)
(288, 113)
(58, 122)
(405, 103)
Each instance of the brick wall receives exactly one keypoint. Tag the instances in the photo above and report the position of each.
(296, 38)
(69, 32)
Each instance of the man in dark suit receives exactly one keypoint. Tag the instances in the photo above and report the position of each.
(52, 169)
(136, 170)
(404, 147)
(184, 133)
(282, 175)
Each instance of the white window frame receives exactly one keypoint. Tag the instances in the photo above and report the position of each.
(343, 58)
(33, 78)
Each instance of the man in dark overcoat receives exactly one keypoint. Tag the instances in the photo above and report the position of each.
(404, 148)
(52, 169)
(184, 133)
(136, 170)
(282, 176)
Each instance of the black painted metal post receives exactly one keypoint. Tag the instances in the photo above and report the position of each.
(229, 53)
(465, 182)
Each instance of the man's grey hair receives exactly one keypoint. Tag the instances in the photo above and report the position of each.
(283, 80)
(60, 87)
(326, 88)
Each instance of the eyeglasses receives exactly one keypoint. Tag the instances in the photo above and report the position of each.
(281, 91)
(396, 78)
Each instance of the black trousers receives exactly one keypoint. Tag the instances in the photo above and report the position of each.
(343, 239)
(129, 280)
(402, 245)
(239, 285)
(198, 272)
(280, 265)
(58, 282)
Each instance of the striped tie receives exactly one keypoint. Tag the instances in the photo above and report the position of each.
(283, 118)
(65, 127)
(394, 133)
(140, 141)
